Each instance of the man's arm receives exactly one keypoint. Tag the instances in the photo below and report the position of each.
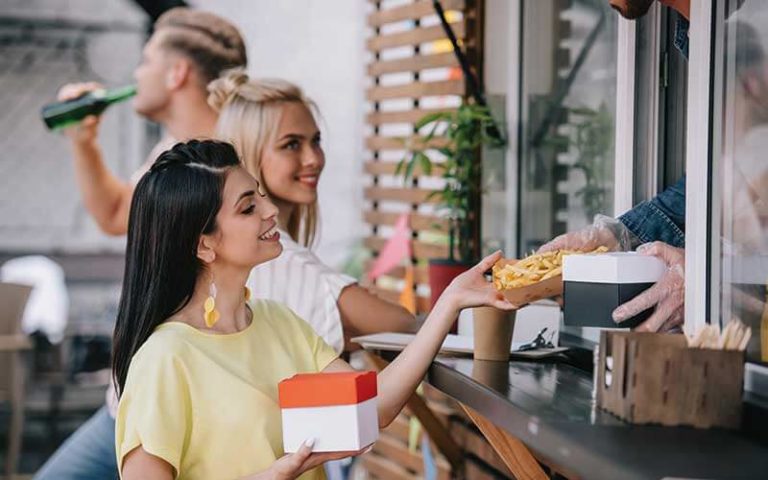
(106, 197)
(661, 219)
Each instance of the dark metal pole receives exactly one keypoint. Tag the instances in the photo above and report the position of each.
(474, 85)
(155, 8)
(472, 82)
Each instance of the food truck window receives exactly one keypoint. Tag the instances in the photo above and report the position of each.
(567, 113)
(738, 193)
(658, 125)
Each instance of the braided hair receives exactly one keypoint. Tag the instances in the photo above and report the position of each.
(212, 43)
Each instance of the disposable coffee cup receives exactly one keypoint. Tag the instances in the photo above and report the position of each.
(492, 333)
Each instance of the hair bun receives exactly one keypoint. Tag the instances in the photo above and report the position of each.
(225, 88)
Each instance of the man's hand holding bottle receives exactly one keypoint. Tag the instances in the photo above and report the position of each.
(86, 131)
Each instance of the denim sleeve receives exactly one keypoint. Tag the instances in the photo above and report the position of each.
(660, 219)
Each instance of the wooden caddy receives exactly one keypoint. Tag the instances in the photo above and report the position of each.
(656, 378)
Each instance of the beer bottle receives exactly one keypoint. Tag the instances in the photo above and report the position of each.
(62, 114)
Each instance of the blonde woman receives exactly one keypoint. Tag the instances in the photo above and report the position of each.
(272, 126)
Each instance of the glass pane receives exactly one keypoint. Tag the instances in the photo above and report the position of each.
(568, 111)
(741, 176)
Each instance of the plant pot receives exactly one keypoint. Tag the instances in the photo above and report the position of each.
(441, 273)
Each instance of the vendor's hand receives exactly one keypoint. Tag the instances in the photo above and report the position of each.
(292, 465)
(604, 231)
(87, 130)
(471, 289)
(668, 294)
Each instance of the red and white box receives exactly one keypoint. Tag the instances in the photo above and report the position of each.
(338, 410)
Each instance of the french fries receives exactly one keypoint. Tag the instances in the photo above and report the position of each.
(533, 269)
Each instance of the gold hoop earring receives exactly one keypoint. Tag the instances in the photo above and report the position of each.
(211, 315)
(247, 294)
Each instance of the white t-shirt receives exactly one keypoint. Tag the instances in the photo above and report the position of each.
(164, 144)
(299, 280)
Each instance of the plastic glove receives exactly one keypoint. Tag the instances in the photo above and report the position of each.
(668, 294)
(604, 231)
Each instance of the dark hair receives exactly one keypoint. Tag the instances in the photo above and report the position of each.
(175, 202)
(211, 42)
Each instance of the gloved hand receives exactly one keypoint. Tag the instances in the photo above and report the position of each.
(604, 231)
(668, 294)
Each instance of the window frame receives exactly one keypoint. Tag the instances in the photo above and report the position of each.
(624, 138)
(698, 206)
(703, 195)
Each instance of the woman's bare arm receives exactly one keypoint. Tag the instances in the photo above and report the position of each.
(141, 465)
(398, 381)
(363, 313)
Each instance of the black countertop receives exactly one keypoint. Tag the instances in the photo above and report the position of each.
(549, 407)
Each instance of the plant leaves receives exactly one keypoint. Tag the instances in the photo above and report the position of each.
(400, 166)
(409, 169)
(432, 117)
(426, 164)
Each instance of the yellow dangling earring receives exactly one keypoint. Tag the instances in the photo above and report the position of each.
(247, 294)
(211, 315)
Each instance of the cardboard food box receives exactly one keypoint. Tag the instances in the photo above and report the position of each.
(594, 285)
(338, 410)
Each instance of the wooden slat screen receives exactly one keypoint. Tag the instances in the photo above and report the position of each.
(406, 116)
(413, 64)
(413, 72)
(409, 11)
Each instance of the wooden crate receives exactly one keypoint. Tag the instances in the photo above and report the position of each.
(656, 378)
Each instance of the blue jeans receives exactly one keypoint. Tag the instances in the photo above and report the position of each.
(660, 219)
(88, 454)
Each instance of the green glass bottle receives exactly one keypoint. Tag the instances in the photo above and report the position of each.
(62, 114)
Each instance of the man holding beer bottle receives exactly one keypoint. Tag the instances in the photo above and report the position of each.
(187, 50)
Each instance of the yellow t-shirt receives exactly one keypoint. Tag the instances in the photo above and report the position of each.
(207, 404)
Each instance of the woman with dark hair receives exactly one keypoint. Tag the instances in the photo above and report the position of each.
(196, 365)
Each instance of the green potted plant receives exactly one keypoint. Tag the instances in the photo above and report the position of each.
(465, 131)
(590, 135)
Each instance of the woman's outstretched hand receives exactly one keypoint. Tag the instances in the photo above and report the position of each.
(471, 289)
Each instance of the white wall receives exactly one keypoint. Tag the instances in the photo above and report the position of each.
(321, 47)
(40, 205)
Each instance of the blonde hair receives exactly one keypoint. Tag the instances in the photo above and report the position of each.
(212, 43)
(249, 114)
